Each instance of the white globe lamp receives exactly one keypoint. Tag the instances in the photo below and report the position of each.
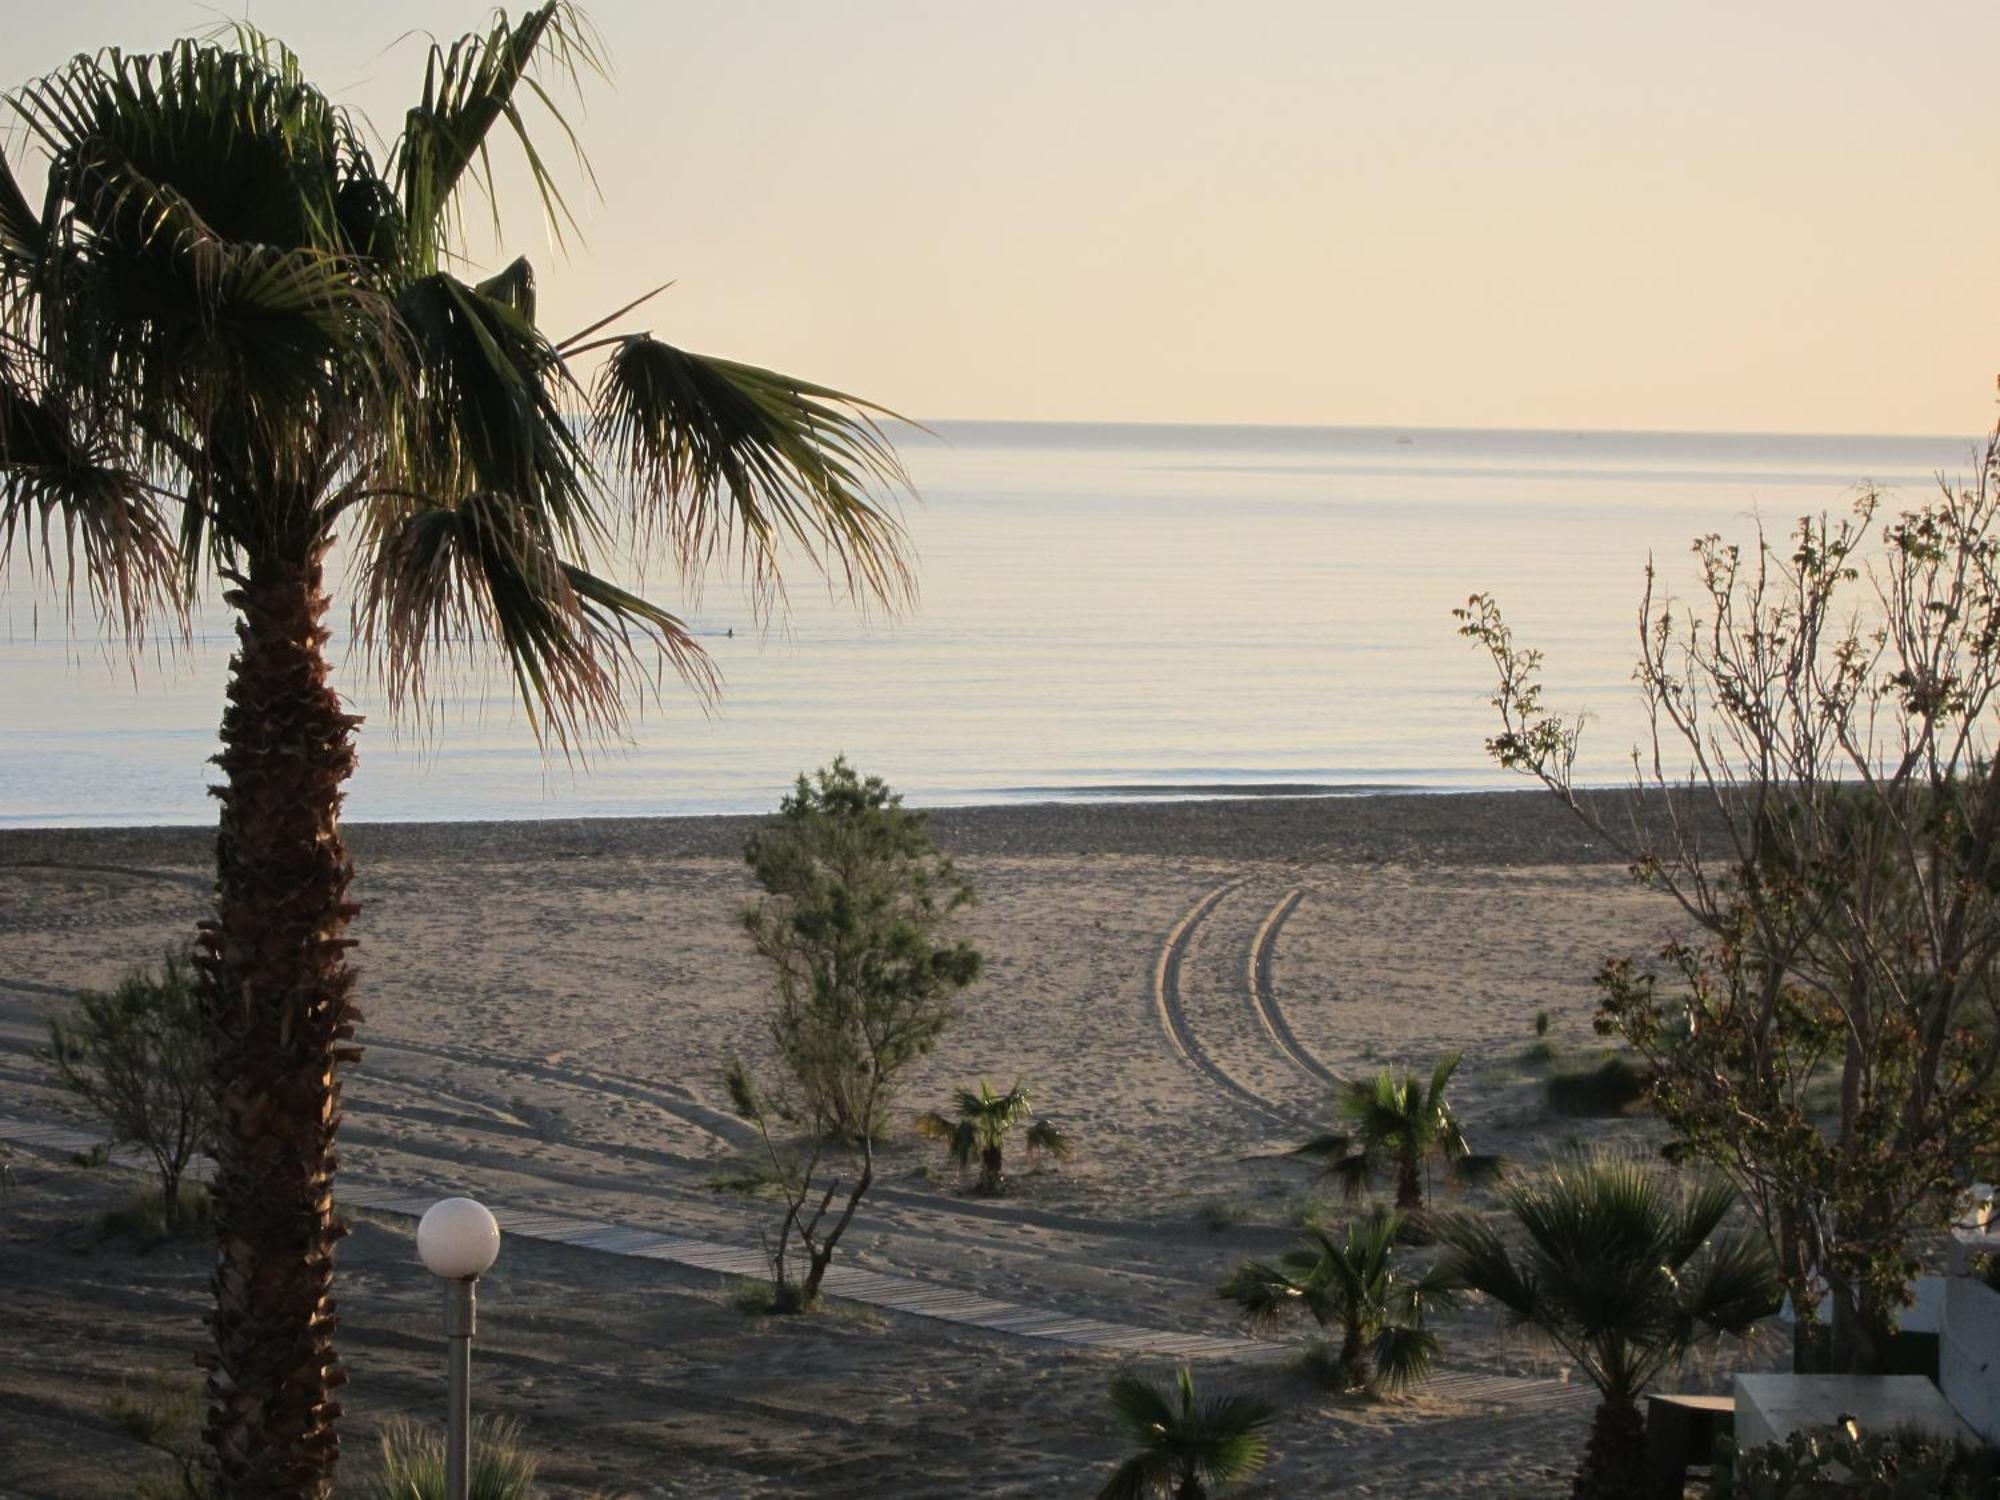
(457, 1240)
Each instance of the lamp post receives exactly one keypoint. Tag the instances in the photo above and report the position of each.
(457, 1239)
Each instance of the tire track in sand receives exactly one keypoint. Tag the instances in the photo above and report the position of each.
(1264, 995)
(1173, 1013)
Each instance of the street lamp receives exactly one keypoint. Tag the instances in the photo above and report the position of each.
(458, 1239)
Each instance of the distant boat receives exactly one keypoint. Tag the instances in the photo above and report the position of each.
(1404, 442)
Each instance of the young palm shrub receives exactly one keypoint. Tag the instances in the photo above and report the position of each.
(1350, 1286)
(413, 1465)
(1624, 1273)
(1400, 1123)
(984, 1121)
(1187, 1443)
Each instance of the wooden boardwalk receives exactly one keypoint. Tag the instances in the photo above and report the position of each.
(903, 1294)
(894, 1293)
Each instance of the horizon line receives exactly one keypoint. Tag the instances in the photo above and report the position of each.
(1436, 427)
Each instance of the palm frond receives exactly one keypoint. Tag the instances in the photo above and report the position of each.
(1231, 1444)
(1329, 1147)
(21, 235)
(1476, 1259)
(1144, 1476)
(964, 1142)
(194, 269)
(1436, 1288)
(1140, 1407)
(1401, 1355)
(483, 414)
(441, 579)
(1701, 1211)
(1262, 1293)
(1354, 1174)
(732, 461)
(513, 287)
(1733, 1286)
(79, 514)
(1050, 1139)
(470, 88)
(1440, 1078)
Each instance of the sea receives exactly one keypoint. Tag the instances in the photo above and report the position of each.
(1105, 611)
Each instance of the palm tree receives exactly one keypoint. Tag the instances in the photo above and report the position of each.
(229, 334)
(1397, 1121)
(1625, 1274)
(1349, 1285)
(984, 1121)
(1186, 1443)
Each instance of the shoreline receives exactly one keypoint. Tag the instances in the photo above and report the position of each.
(1520, 827)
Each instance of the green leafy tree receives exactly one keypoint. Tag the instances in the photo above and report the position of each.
(1187, 1442)
(136, 1057)
(1624, 1274)
(978, 1128)
(1823, 803)
(1399, 1123)
(1350, 1285)
(856, 924)
(230, 331)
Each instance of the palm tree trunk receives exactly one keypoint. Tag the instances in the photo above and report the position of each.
(990, 1162)
(277, 1010)
(1614, 1463)
(1410, 1184)
(1353, 1360)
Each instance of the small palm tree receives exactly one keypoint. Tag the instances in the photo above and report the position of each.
(1625, 1274)
(1186, 1443)
(1349, 1285)
(1397, 1121)
(984, 1120)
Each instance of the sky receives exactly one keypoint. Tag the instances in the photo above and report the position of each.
(1770, 217)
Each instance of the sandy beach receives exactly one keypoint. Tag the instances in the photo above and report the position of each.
(549, 1008)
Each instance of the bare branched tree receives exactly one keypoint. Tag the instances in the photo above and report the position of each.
(1823, 803)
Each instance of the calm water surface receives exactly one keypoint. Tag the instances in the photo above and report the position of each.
(1103, 608)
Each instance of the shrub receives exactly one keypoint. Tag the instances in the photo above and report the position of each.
(856, 923)
(1218, 1214)
(136, 1057)
(757, 1298)
(1606, 1088)
(413, 1463)
(144, 1218)
(164, 1413)
(1834, 1465)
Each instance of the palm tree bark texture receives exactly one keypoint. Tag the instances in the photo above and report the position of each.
(279, 1009)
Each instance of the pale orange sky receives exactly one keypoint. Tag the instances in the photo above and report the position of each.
(1590, 215)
